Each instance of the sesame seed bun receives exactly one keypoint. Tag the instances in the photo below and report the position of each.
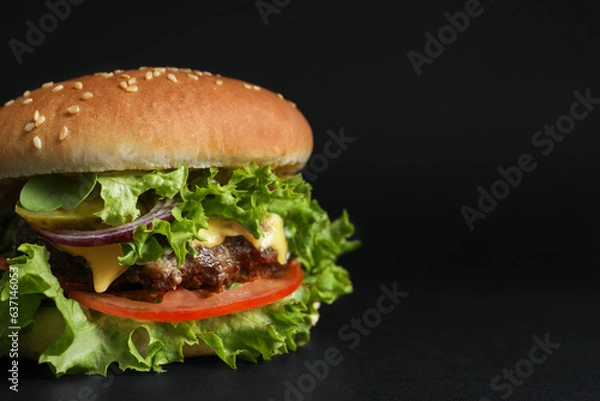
(150, 118)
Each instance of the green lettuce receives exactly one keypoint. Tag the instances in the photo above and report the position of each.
(121, 191)
(91, 341)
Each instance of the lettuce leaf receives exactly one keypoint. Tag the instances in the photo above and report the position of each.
(121, 191)
(247, 196)
(91, 341)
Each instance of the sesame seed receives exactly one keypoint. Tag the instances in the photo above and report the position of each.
(11, 101)
(39, 121)
(292, 103)
(27, 100)
(36, 115)
(73, 109)
(173, 69)
(199, 73)
(37, 142)
(123, 84)
(219, 82)
(29, 126)
(148, 76)
(64, 131)
(87, 96)
(126, 76)
(131, 81)
(279, 95)
(118, 71)
(160, 69)
(157, 73)
(26, 93)
(186, 70)
(247, 86)
(192, 76)
(57, 88)
(132, 88)
(256, 87)
(208, 74)
(78, 85)
(48, 84)
(172, 77)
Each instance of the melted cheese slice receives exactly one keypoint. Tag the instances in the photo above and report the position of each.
(273, 234)
(102, 260)
(105, 268)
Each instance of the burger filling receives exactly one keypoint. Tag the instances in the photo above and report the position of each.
(214, 269)
(206, 249)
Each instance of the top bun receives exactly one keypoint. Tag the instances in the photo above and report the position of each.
(150, 118)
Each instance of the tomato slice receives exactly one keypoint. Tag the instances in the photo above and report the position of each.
(182, 304)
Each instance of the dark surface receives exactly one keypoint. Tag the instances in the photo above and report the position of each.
(476, 301)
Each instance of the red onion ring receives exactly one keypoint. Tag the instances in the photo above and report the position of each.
(123, 233)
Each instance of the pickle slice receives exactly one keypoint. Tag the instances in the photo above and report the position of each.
(79, 218)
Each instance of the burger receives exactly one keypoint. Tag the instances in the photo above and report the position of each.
(156, 214)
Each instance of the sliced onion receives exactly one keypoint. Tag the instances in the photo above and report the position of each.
(112, 235)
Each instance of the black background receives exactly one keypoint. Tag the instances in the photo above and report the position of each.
(418, 147)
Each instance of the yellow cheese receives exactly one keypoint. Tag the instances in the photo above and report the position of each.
(102, 260)
(273, 234)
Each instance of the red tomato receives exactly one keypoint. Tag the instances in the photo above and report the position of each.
(182, 304)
